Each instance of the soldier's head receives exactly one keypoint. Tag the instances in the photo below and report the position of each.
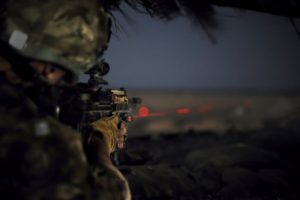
(55, 37)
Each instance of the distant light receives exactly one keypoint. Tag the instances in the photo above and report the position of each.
(183, 111)
(143, 111)
(129, 119)
(205, 109)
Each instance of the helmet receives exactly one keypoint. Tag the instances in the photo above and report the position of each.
(72, 34)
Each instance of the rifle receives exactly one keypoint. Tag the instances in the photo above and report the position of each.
(88, 102)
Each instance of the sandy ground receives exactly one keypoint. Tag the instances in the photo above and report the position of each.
(223, 162)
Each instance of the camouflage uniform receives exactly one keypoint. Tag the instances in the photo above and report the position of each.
(99, 144)
(40, 157)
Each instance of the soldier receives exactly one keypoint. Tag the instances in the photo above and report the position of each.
(46, 44)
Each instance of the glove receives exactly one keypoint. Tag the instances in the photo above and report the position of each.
(108, 127)
(121, 135)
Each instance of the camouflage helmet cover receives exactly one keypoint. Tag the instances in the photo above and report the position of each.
(70, 33)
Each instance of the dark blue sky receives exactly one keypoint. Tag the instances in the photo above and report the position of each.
(253, 51)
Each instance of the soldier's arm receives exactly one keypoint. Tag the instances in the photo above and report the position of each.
(101, 141)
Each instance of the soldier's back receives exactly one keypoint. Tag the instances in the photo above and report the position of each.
(40, 157)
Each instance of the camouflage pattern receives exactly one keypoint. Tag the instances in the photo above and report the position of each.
(109, 180)
(40, 158)
(34, 168)
(99, 144)
(72, 33)
(108, 126)
(44, 159)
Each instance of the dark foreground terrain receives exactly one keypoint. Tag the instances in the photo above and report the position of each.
(262, 164)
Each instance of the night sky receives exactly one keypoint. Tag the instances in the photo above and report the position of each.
(253, 51)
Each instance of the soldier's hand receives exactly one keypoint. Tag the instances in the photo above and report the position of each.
(121, 135)
(115, 132)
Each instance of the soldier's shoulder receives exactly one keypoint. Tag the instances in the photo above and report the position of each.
(41, 153)
(107, 179)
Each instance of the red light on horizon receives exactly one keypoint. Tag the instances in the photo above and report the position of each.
(183, 111)
(143, 111)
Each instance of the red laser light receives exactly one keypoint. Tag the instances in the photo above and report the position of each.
(129, 119)
(143, 111)
(183, 111)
